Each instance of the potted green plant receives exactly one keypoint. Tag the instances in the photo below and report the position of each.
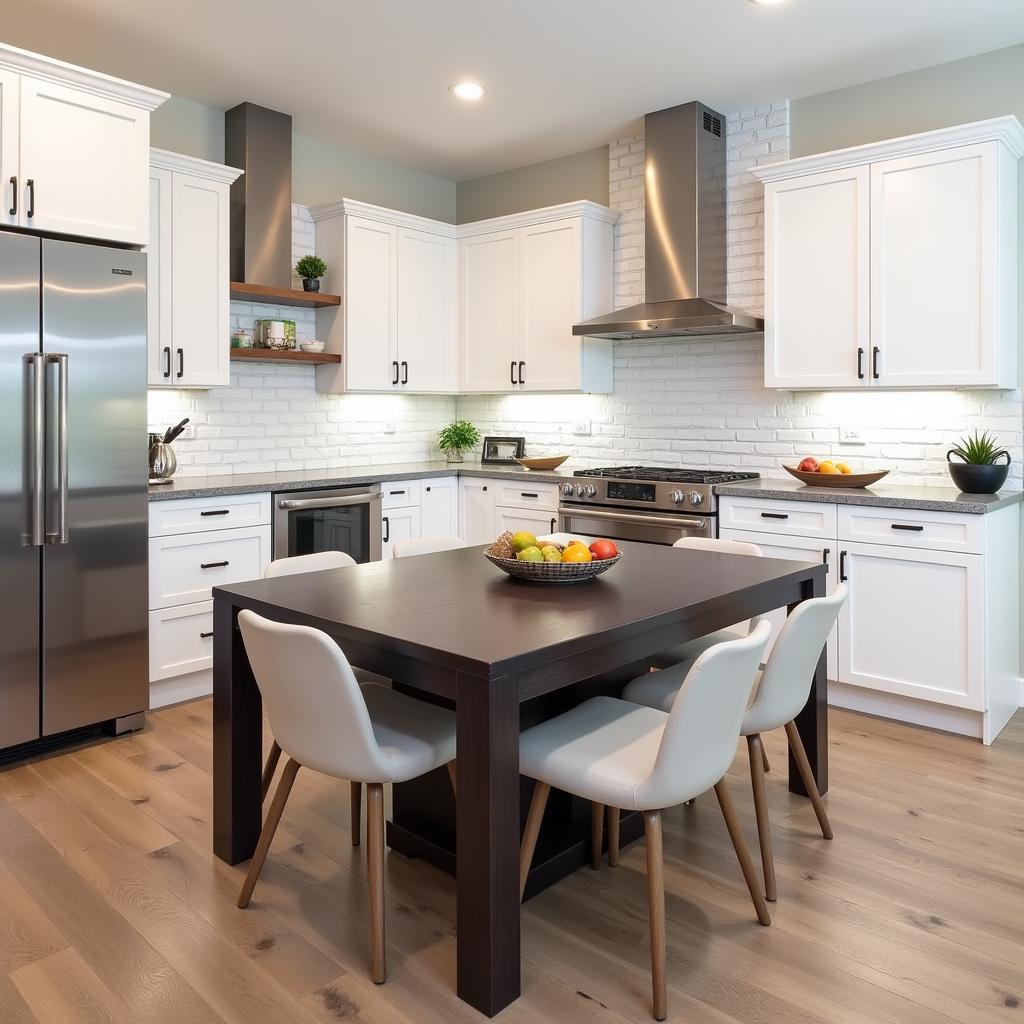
(311, 269)
(979, 471)
(457, 438)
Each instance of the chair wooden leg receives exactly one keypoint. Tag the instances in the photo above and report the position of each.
(755, 750)
(732, 823)
(454, 776)
(530, 833)
(596, 834)
(613, 836)
(800, 755)
(270, 767)
(356, 803)
(656, 905)
(764, 760)
(375, 846)
(284, 788)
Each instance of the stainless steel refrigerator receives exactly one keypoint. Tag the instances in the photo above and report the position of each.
(73, 501)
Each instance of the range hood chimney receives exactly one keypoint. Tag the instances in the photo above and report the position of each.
(685, 234)
(259, 141)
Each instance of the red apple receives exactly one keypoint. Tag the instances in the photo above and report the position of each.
(808, 465)
(602, 549)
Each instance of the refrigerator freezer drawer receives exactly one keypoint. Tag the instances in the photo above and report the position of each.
(180, 640)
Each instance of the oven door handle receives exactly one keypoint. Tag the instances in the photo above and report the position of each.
(290, 504)
(621, 517)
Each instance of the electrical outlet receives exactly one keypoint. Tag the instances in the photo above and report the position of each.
(851, 435)
(390, 428)
(582, 428)
(189, 433)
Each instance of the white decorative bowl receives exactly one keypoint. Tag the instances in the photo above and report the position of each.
(311, 346)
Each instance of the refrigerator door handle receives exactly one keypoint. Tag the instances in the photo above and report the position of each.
(36, 475)
(60, 535)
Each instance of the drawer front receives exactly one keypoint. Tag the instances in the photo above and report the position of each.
(400, 493)
(799, 518)
(907, 528)
(201, 515)
(526, 494)
(182, 570)
(540, 521)
(180, 640)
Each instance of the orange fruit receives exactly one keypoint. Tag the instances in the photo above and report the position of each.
(578, 552)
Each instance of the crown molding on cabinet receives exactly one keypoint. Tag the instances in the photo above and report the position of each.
(354, 207)
(1007, 130)
(48, 69)
(169, 161)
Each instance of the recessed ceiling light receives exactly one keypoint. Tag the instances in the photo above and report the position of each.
(467, 90)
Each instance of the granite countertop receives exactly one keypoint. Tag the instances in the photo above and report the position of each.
(250, 483)
(931, 499)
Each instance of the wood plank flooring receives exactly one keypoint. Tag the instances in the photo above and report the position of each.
(114, 910)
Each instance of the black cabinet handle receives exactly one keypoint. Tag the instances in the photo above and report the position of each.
(512, 371)
(522, 379)
(31, 211)
(213, 565)
(217, 512)
(825, 552)
(528, 494)
(860, 364)
(14, 196)
(428, 488)
(485, 487)
(874, 362)
(910, 529)
(394, 363)
(405, 372)
(774, 515)
(181, 363)
(387, 528)
(842, 567)
(167, 364)
(554, 523)
(400, 492)
(204, 636)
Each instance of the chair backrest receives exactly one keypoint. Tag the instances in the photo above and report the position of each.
(316, 709)
(786, 680)
(699, 742)
(316, 562)
(426, 546)
(727, 547)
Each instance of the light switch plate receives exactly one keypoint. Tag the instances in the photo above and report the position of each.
(582, 428)
(851, 435)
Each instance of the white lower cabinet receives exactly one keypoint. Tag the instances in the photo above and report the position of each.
(180, 640)
(537, 521)
(398, 524)
(439, 507)
(476, 510)
(418, 508)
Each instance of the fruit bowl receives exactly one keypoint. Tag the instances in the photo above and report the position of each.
(552, 572)
(836, 479)
(545, 462)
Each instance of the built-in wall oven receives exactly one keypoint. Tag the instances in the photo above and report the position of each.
(329, 519)
(643, 503)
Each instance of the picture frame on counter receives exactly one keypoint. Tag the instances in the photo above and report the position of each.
(503, 451)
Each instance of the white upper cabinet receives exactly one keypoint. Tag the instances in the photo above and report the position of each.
(895, 264)
(76, 144)
(189, 332)
(396, 274)
(524, 281)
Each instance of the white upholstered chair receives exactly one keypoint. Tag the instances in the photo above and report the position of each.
(324, 720)
(426, 546)
(624, 756)
(782, 691)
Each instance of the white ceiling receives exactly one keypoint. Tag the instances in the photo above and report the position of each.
(562, 75)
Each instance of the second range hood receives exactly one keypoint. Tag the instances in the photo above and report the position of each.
(685, 235)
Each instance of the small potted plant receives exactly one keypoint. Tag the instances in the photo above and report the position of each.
(979, 471)
(457, 438)
(311, 269)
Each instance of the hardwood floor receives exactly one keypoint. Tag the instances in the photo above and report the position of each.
(113, 908)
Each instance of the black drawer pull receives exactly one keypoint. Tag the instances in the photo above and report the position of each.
(774, 515)
(396, 492)
(387, 529)
(205, 636)
(842, 567)
(213, 565)
(217, 512)
(14, 197)
(911, 529)
(528, 494)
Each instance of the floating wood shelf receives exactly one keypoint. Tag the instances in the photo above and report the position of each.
(282, 296)
(287, 355)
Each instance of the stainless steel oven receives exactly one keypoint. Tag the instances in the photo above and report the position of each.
(329, 519)
(630, 524)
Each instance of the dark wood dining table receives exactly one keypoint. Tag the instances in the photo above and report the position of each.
(452, 627)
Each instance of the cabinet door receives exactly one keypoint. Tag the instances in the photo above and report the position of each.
(88, 158)
(439, 507)
(934, 256)
(158, 279)
(797, 549)
(817, 310)
(426, 311)
(549, 302)
(539, 522)
(398, 524)
(370, 308)
(476, 510)
(912, 624)
(199, 282)
(10, 191)
(489, 318)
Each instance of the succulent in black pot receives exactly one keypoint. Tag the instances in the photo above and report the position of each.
(979, 470)
(311, 269)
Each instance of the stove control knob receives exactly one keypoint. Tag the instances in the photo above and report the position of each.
(677, 497)
(567, 489)
(696, 498)
(590, 490)
(579, 490)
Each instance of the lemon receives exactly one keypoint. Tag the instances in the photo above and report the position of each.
(828, 467)
(523, 539)
(843, 467)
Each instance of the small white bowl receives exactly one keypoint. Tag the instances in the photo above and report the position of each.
(311, 346)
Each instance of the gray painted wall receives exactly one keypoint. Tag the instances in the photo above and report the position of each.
(563, 180)
(190, 128)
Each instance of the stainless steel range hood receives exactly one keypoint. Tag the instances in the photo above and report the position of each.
(685, 235)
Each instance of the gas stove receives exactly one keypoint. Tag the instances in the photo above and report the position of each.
(674, 476)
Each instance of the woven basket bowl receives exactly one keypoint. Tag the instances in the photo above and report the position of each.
(552, 572)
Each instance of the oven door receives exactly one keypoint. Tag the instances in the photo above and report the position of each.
(647, 527)
(336, 519)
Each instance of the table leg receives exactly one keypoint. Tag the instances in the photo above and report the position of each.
(487, 842)
(812, 721)
(237, 741)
